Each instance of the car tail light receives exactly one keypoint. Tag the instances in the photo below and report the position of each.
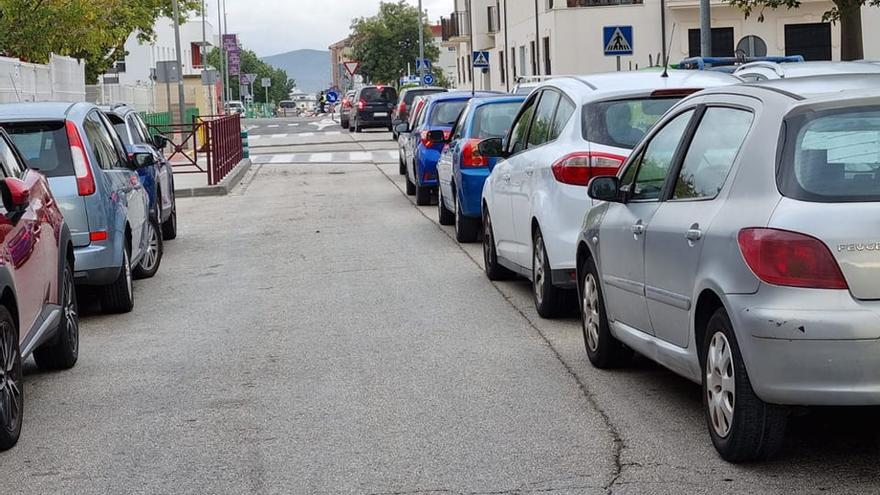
(782, 257)
(401, 108)
(85, 182)
(470, 155)
(99, 235)
(346, 104)
(427, 143)
(362, 104)
(578, 168)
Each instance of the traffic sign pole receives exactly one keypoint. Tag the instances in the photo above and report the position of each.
(421, 67)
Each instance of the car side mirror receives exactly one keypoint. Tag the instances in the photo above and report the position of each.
(143, 160)
(401, 128)
(437, 137)
(605, 188)
(15, 194)
(160, 141)
(492, 148)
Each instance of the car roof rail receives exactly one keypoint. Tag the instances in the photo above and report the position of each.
(704, 63)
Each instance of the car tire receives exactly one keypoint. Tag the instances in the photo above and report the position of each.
(742, 426)
(550, 301)
(410, 187)
(444, 216)
(63, 351)
(423, 195)
(118, 297)
(12, 392)
(603, 349)
(402, 166)
(494, 271)
(357, 126)
(152, 258)
(467, 229)
(169, 227)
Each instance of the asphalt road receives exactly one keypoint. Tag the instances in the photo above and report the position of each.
(316, 332)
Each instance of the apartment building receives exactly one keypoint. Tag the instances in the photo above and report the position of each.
(568, 35)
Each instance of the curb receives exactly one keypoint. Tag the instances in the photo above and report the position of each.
(222, 189)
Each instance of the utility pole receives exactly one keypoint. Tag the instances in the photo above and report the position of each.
(181, 97)
(705, 29)
(663, 32)
(421, 64)
(224, 68)
(204, 53)
(537, 43)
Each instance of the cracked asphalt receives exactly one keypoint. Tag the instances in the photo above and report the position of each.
(315, 332)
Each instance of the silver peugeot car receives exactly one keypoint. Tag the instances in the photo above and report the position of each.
(739, 247)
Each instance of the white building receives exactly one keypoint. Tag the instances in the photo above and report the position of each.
(447, 58)
(568, 35)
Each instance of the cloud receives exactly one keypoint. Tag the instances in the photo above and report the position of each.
(276, 26)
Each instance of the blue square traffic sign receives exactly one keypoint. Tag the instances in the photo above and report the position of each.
(617, 40)
(481, 60)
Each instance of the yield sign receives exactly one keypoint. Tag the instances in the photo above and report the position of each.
(351, 67)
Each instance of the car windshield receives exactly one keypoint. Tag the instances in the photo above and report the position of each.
(377, 95)
(623, 123)
(446, 112)
(493, 120)
(409, 96)
(44, 145)
(833, 156)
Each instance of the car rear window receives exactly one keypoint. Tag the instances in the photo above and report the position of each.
(832, 156)
(44, 145)
(623, 123)
(493, 120)
(376, 95)
(447, 112)
(409, 96)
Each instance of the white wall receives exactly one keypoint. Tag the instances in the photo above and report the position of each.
(143, 57)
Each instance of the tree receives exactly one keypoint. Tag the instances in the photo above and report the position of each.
(252, 64)
(847, 12)
(91, 30)
(385, 43)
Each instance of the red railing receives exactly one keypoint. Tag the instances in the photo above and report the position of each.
(223, 145)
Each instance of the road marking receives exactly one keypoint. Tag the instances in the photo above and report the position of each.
(324, 123)
(380, 156)
(272, 126)
(320, 157)
(278, 135)
(292, 125)
(359, 156)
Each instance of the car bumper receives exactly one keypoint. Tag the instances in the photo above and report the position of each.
(427, 166)
(368, 120)
(95, 265)
(809, 346)
(470, 191)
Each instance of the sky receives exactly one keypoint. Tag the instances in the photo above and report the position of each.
(269, 27)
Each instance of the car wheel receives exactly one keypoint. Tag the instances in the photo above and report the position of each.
(467, 229)
(152, 258)
(444, 216)
(11, 386)
(423, 195)
(169, 227)
(64, 350)
(494, 271)
(118, 297)
(410, 187)
(549, 299)
(603, 350)
(357, 126)
(742, 426)
(402, 166)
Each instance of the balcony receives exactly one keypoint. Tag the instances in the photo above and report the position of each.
(494, 19)
(457, 27)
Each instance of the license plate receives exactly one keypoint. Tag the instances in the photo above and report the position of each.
(380, 114)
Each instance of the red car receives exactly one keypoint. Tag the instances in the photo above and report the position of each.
(38, 311)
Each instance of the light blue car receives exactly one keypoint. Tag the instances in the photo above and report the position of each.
(97, 188)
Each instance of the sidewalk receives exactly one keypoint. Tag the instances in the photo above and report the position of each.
(189, 181)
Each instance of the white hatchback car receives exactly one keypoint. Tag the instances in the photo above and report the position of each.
(568, 131)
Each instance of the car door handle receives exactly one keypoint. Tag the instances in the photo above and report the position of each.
(505, 177)
(694, 234)
(638, 229)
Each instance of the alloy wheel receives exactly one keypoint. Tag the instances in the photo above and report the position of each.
(720, 384)
(151, 256)
(70, 310)
(488, 241)
(591, 311)
(126, 265)
(10, 377)
(539, 269)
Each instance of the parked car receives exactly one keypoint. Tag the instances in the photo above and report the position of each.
(405, 139)
(372, 108)
(730, 64)
(287, 108)
(38, 308)
(439, 113)
(345, 109)
(405, 101)
(96, 185)
(737, 248)
(461, 169)
(763, 71)
(569, 130)
(233, 107)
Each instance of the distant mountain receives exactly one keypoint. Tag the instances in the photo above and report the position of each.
(310, 68)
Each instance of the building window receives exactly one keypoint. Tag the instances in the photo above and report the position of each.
(470, 69)
(502, 69)
(547, 66)
(534, 59)
(722, 42)
(513, 62)
(813, 41)
(196, 55)
(752, 46)
(458, 69)
(522, 59)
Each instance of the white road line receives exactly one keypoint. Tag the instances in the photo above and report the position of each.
(292, 125)
(275, 136)
(320, 157)
(359, 156)
(272, 126)
(255, 136)
(305, 134)
(282, 159)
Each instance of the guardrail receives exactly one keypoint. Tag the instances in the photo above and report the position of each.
(223, 145)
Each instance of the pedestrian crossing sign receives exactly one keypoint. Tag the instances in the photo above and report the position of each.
(617, 40)
(481, 60)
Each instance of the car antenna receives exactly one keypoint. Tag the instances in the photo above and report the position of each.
(668, 49)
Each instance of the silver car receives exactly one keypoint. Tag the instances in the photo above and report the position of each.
(738, 247)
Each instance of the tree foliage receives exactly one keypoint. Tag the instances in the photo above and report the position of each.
(847, 12)
(91, 30)
(385, 43)
(252, 64)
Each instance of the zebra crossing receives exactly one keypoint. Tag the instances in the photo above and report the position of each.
(381, 156)
(298, 134)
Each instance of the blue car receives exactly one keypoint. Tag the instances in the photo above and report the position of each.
(439, 113)
(462, 171)
(97, 187)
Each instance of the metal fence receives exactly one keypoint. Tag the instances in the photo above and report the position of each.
(140, 96)
(62, 79)
(223, 133)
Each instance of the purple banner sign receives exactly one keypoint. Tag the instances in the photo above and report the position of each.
(233, 53)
